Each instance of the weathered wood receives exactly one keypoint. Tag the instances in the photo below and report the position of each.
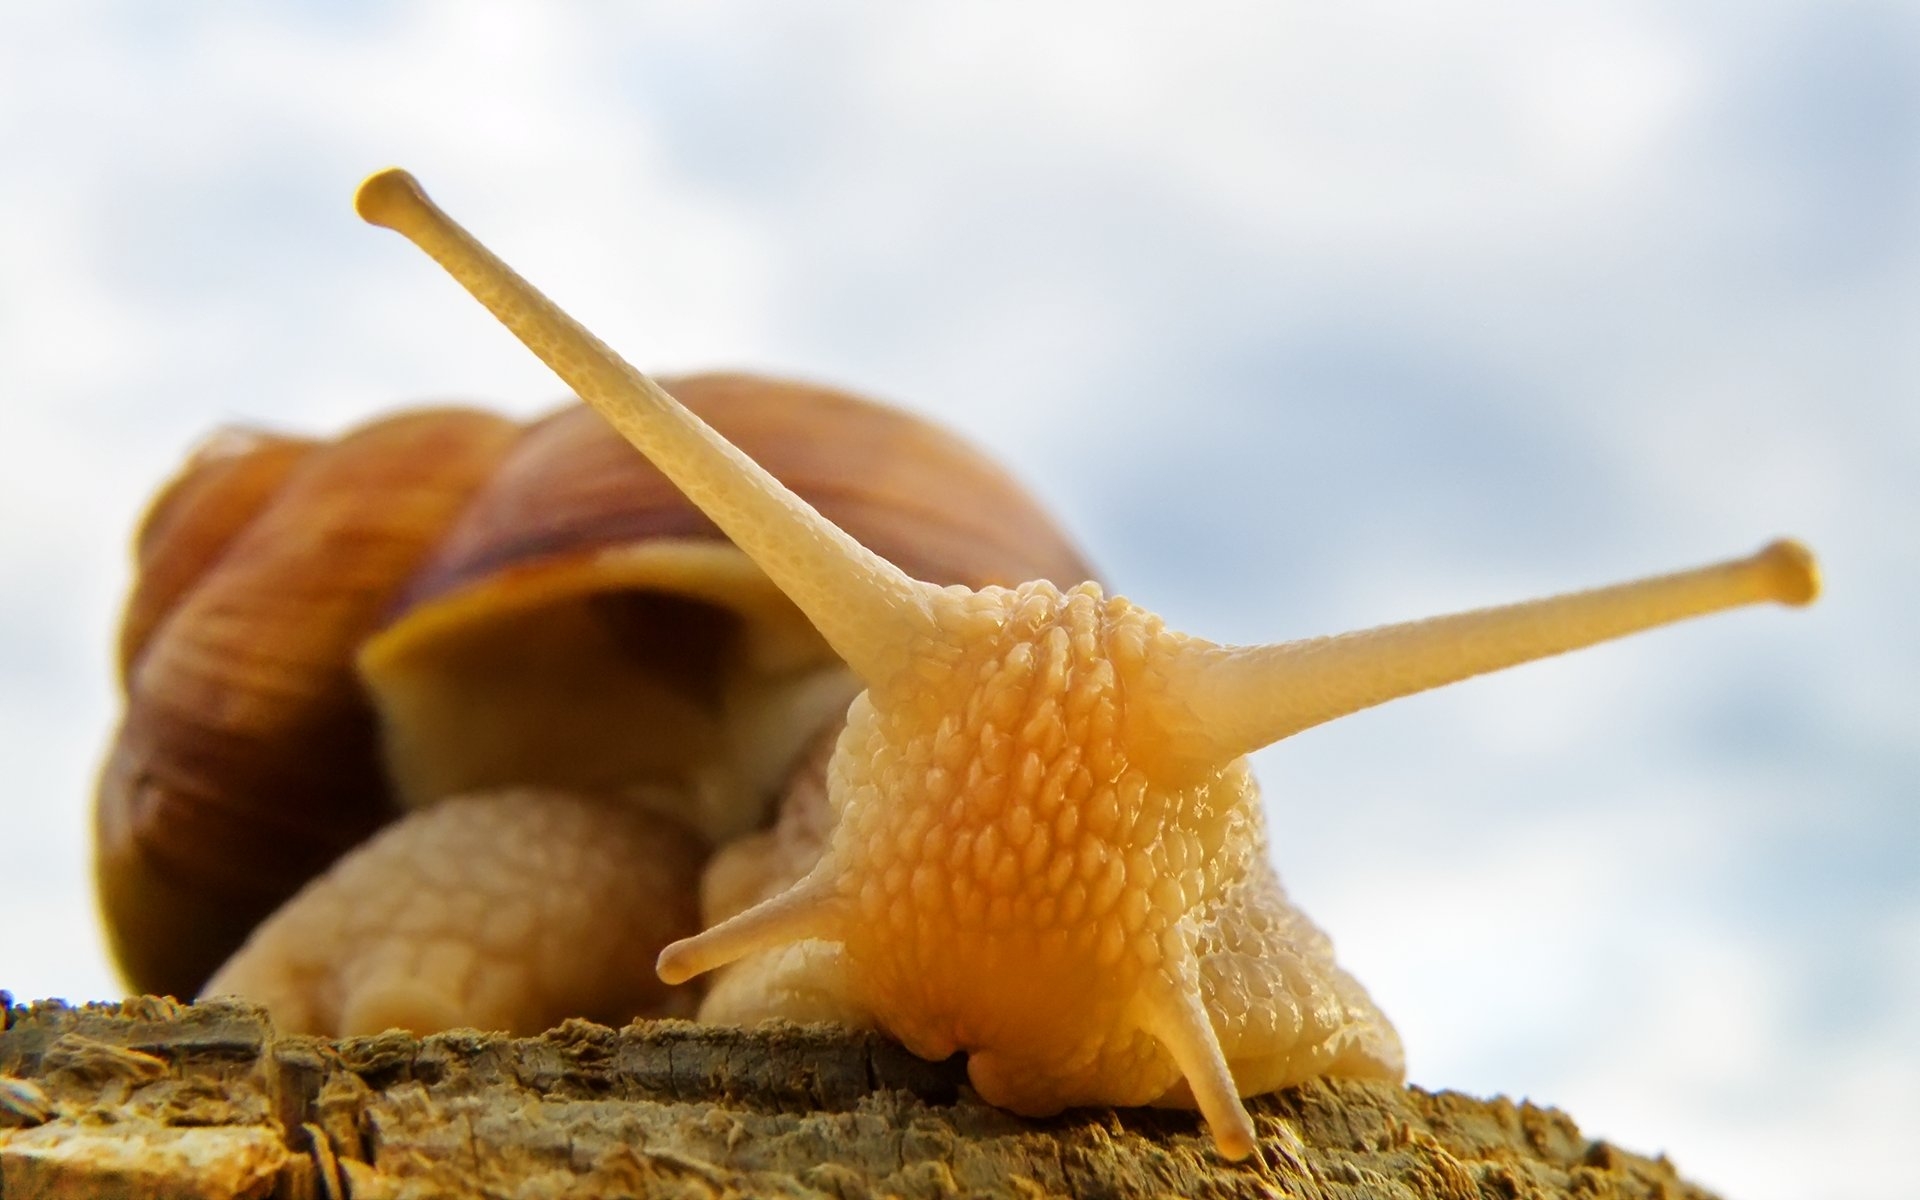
(156, 1098)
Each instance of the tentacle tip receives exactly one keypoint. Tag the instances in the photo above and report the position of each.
(679, 962)
(386, 197)
(1791, 568)
(1235, 1139)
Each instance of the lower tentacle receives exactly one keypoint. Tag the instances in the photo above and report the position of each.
(1174, 1012)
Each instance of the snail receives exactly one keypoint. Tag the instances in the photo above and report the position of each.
(1018, 819)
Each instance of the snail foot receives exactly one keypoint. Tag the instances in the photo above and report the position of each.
(509, 910)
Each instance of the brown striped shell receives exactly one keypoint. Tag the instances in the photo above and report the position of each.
(294, 597)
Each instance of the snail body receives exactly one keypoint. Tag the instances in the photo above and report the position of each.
(1035, 838)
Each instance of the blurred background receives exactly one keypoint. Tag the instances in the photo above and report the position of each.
(1303, 317)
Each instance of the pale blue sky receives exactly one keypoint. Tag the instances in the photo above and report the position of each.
(1302, 320)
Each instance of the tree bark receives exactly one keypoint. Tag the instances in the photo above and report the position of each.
(151, 1097)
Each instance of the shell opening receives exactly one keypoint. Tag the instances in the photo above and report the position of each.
(670, 665)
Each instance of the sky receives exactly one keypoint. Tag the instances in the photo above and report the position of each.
(1303, 318)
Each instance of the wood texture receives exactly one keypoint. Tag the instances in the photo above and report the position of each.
(151, 1097)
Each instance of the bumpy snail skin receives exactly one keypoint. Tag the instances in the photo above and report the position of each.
(1047, 848)
(510, 910)
(1020, 870)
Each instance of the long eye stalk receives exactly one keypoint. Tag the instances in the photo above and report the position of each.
(867, 609)
(1240, 698)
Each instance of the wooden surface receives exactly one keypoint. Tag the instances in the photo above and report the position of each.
(155, 1098)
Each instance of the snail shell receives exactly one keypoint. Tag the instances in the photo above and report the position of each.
(323, 634)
